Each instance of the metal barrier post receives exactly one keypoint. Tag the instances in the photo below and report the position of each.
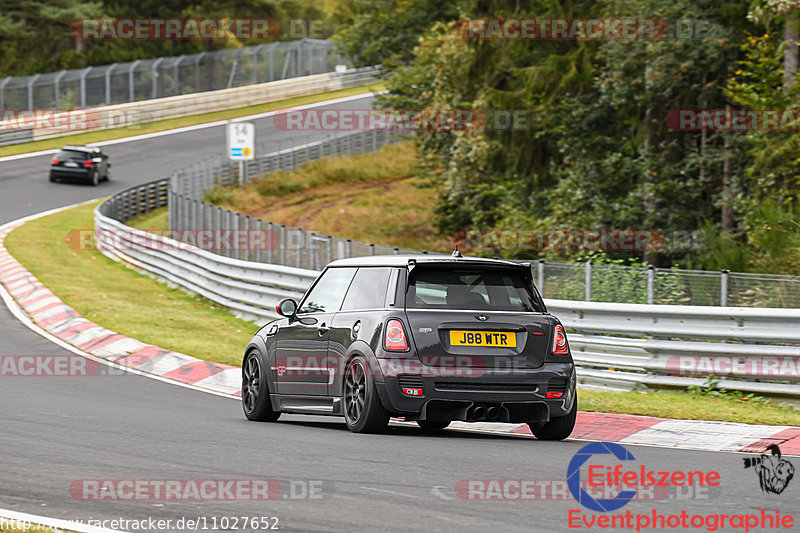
(651, 275)
(723, 288)
(588, 281)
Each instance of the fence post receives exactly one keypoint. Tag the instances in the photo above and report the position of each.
(283, 245)
(85, 72)
(651, 277)
(230, 221)
(371, 249)
(588, 281)
(299, 248)
(311, 249)
(170, 209)
(270, 242)
(330, 249)
(723, 288)
(30, 90)
(109, 70)
(540, 276)
(155, 76)
(349, 249)
(130, 79)
(56, 91)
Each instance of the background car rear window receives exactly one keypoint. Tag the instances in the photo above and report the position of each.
(328, 294)
(368, 290)
(473, 289)
(65, 155)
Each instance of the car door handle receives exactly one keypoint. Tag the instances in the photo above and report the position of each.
(322, 330)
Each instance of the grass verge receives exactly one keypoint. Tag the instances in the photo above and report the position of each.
(181, 122)
(684, 405)
(373, 197)
(121, 299)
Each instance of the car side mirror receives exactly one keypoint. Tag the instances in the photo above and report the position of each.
(287, 307)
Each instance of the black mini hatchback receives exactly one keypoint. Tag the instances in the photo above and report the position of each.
(425, 338)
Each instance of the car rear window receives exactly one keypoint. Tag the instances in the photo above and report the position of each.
(76, 155)
(472, 289)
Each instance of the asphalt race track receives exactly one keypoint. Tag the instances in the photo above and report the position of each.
(54, 431)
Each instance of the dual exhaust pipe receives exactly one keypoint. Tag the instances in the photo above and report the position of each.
(481, 412)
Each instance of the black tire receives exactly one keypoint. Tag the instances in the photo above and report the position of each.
(107, 176)
(432, 426)
(559, 427)
(53, 179)
(255, 390)
(95, 179)
(363, 412)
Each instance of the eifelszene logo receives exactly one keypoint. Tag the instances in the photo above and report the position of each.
(612, 470)
(774, 472)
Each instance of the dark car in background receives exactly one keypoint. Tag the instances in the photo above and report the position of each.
(80, 163)
(431, 339)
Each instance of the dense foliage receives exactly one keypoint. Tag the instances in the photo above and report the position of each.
(35, 37)
(596, 150)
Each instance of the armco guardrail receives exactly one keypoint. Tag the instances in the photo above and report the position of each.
(651, 346)
(54, 124)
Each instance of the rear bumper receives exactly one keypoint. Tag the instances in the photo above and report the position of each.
(492, 396)
(70, 173)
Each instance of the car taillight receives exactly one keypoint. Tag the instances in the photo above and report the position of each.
(560, 342)
(408, 391)
(553, 395)
(54, 161)
(395, 337)
(88, 163)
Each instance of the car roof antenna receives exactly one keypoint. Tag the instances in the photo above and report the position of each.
(456, 253)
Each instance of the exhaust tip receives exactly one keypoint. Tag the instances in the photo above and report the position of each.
(493, 413)
(479, 412)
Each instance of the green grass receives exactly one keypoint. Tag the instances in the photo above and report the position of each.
(155, 220)
(337, 195)
(677, 404)
(121, 299)
(162, 125)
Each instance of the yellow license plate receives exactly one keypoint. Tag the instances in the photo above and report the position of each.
(490, 339)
